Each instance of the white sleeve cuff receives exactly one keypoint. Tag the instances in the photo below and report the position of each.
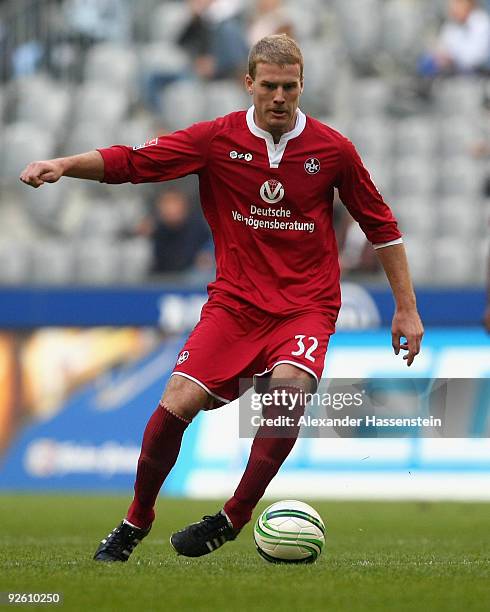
(385, 244)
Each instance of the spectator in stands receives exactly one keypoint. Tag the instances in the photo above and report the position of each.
(87, 22)
(270, 17)
(22, 50)
(463, 44)
(179, 236)
(98, 20)
(215, 38)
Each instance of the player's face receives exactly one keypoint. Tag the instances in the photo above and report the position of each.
(275, 91)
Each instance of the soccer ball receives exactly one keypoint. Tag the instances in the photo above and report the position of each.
(289, 531)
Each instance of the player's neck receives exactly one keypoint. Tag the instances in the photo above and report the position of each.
(276, 134)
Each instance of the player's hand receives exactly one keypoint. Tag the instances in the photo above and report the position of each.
(40, 172)
(407, 324)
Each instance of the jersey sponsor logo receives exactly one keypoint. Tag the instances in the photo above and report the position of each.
(184, 356)
(148, 143)
(272, 191)
(236, 155)
(312, 165)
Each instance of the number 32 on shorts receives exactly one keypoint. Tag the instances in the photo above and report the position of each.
(302, 349)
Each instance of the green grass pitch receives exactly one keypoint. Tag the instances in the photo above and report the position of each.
(378, 556)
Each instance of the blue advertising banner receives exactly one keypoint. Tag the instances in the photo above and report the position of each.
(177, 308)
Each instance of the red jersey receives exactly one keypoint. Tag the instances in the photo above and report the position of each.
(269, 206)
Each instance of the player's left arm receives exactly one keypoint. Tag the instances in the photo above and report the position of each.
(364, 202)
(406, 320)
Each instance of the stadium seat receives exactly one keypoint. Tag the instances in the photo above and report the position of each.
(402, 28)
(223, 97)
(380, 170)
(461, 217)
(370, 97)
(183, 104)
(417, 217)
(416, 137)
(308, 17)
(87, 136)
(22, 143)
(136, 131)
(111, 65)
(321, 60)
(52, 261)
(359, 31)
(15, 262)
(414, 177)
(15, 221)
(168, 20)
(162, 58)
(45, 205)
(135, 260)
(454, 261)
(461, 176)
(419, 253)
(340, 123)
(457, 135)
(101, 220)
(51, 114)
(373, 137)
(461, 96)
(130, 205)
(68, 210)
(97, 262)
(100, 105)
(142, 18)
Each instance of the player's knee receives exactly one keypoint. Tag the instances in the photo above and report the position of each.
(184, 397)
(286, 374)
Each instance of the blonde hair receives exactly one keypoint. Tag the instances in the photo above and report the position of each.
(278, 49)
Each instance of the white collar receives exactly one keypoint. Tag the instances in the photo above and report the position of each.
(274, 151)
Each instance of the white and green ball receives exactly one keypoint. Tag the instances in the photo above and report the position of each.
(289, 531)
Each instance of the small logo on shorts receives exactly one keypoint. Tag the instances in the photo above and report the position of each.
(272, 191)
(312, 165)
(183, 357)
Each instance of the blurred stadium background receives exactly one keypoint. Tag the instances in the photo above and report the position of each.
(99, 285)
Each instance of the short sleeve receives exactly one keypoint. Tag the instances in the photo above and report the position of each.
(362, 199)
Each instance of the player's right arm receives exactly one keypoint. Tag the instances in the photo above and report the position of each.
(162, 158)
(84, 166)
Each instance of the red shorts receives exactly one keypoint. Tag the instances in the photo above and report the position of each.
(237, 341)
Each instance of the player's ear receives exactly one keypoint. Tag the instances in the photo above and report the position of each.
(249, 82)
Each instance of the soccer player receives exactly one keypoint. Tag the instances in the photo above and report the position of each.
(267, 179)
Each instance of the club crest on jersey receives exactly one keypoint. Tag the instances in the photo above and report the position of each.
(183, 357)
(312, 165)
(148, 143)
(236, 155)
(272, 191)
